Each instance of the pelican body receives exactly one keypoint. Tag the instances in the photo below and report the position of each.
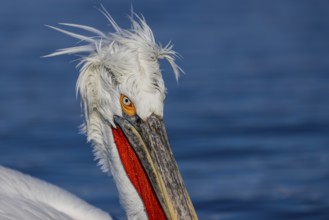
(122, 93)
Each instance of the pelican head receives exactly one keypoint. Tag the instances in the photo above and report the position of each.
(122, 93)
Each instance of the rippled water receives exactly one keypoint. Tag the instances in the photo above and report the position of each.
(248, 123)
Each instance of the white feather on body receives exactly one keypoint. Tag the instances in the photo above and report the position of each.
(28, 198)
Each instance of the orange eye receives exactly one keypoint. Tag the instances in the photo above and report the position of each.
(127, 105)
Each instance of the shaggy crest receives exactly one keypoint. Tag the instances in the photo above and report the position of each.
(139, 37)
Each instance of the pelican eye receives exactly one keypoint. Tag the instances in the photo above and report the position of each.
(127, 106)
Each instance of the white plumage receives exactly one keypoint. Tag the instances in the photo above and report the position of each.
(23, 197)
(123, 62)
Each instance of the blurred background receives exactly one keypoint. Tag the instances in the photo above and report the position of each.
(248, 122)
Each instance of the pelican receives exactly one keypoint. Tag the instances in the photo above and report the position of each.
(122, 94)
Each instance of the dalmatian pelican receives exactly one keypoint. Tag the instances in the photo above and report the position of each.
(122, 94)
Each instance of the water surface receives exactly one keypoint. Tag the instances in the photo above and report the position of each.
(248, 123)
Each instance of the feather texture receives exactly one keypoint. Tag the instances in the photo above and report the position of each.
(24, 197)
(124, 61)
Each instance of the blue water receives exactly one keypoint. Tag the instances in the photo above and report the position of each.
(248, 123)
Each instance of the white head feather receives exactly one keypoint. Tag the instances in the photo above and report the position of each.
(122, 62)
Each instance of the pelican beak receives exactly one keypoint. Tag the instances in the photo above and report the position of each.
(150, 142)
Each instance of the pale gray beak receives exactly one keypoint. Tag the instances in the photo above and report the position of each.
(150, 142)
